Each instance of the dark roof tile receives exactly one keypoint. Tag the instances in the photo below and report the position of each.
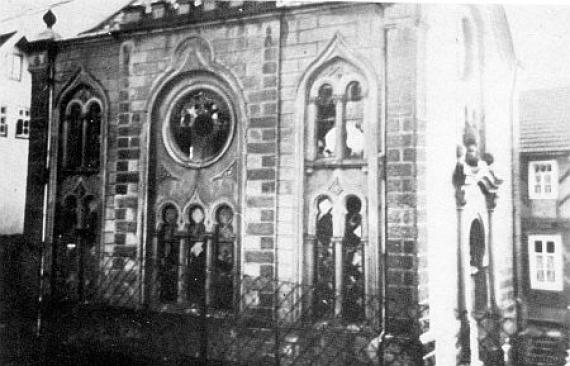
(545, 120)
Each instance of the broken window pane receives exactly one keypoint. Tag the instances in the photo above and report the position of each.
(200, 125)
(326, 114)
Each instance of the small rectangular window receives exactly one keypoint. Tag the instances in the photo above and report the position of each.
(15, 68)
(543, 179)
(3, 124)
(23, 124)
(545, 262)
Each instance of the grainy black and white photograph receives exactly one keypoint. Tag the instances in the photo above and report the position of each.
(284, 183)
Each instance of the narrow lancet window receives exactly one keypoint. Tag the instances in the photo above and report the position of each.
(168, 247)
(224, 258)
(196, 259)
(92, 136)
(353, 122)
(73, 138)
(324, 277)
(326, 130)
(352, 267)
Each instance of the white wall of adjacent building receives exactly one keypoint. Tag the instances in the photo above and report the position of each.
(15, 100)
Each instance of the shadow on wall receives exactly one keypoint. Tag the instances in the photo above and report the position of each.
(19, 268)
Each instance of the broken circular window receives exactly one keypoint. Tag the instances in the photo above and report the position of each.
(199, 127)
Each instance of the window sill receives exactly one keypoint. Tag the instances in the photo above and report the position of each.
(331, 163)
(80, 171)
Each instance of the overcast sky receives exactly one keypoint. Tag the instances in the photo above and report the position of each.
(541, 34)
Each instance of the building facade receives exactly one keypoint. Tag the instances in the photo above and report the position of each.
(544, 150)
(15, 100)
(359, 153)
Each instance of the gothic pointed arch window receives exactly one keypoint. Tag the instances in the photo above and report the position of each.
(80, 133)
(339, 128)
(336, 128)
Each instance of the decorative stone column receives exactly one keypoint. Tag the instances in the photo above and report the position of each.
(336, 242)
(339, 118)
(471, 171)
(462, 337)
(311, 144)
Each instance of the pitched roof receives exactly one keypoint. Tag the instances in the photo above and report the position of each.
(5, 37)
(545, 120)
(148, 14)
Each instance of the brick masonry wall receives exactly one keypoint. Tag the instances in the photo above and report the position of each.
(407, 276)
(250, 52)
(305, 35)
(117, 236)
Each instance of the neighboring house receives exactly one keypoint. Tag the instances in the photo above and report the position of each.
(15, 94)
(196, 146)
(545, 214)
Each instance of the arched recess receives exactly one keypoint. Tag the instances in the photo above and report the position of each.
(84, 179)
(471, 62)
(167, 172)
(338, 66)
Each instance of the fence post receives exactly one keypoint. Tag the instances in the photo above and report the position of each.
(276, 324)
(205, 300)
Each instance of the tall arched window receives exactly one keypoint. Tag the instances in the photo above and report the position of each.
(196, 259)
(326, 116)
(72, 138)
(336, 116)
(324, 267)
(80, 137)
(353, 262)
(224, 258)
(92, 136)
(353, 122)
(168, 247)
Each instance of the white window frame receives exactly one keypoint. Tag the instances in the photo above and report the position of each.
(24, 117)
(557, 284)
(533, 176)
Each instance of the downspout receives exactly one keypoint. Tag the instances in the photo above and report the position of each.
(276, 295)
(384, 195)
(520, 300)
(51, 53)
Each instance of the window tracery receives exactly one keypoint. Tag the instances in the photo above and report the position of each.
(76, 229)
(199, 127)
(336, 115)
(80, 137)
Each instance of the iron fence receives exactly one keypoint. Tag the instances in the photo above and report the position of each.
(210, 314)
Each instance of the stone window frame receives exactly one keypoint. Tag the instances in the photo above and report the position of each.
(85, 108)
(557, 284)
(374, 122)
(214, 86)
(340, 99)
(551, 175)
